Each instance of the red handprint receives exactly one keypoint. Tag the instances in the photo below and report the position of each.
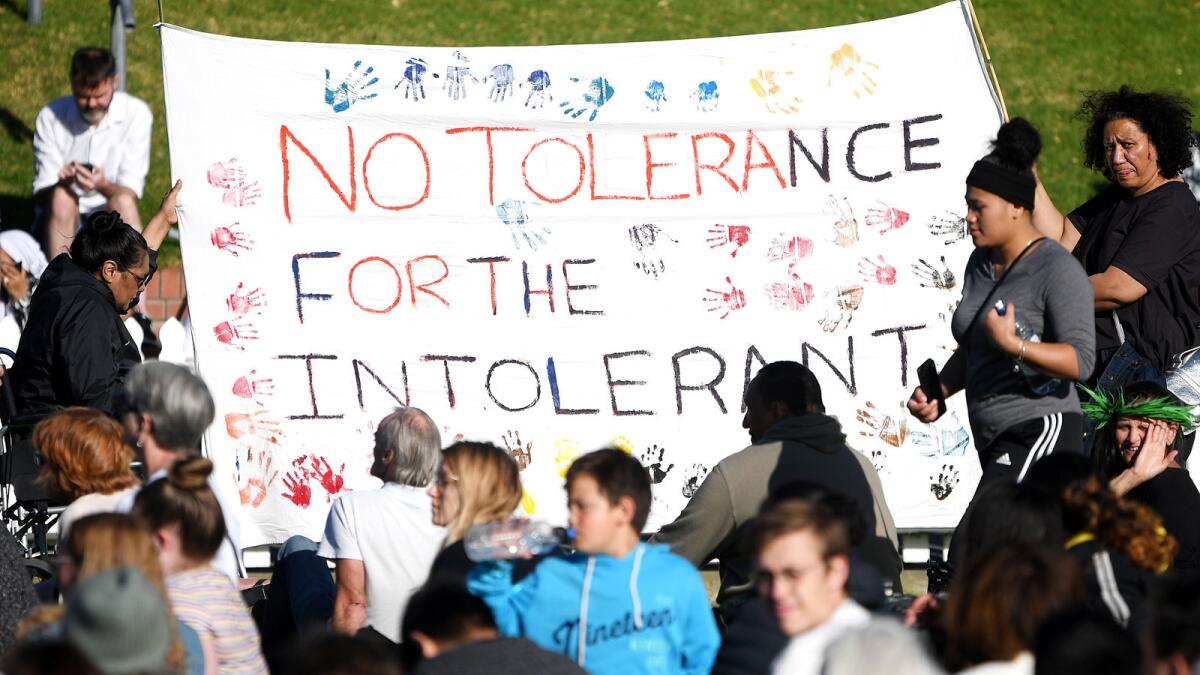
(254, 490)
(791, 249)
(238, 425)
(886, 218)
(232, 332)
(723, 235)
(300, 493)
(725, 301)
(226, 175)
(230, 178)
(881, 272)
(250, 387)
(332, 482)
(793, 296)
(242, 195)
(229, 239)
(244, 303)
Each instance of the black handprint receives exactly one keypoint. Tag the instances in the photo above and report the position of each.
(949, 227)
(692, 479)
(878, 460)
(944, 484)
(932, 277)
(652, 459)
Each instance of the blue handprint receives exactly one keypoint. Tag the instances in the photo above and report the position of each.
(512, 213)
(539, 89)
(414, 79)
(351, 90)
(502, 82)
(598, 92)
(656, 95)
(457, 76)
(706, 96)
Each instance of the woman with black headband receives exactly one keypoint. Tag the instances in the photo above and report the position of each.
(1020, 384)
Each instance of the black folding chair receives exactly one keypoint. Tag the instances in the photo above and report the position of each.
(29, 508)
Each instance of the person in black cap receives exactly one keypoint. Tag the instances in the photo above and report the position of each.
(1024, 328)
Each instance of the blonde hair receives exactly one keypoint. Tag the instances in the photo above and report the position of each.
(489, 485)
(102, 541)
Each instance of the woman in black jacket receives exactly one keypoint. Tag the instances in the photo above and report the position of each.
(75, 350)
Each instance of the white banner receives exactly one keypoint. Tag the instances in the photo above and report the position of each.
(578, 246)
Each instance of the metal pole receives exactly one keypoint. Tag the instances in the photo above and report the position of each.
(33, 13)
(118, 43)
(122, 21)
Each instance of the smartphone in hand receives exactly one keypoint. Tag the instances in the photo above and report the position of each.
(931, 384)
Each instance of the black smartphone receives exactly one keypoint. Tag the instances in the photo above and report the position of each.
(86, 165)
(931, 384)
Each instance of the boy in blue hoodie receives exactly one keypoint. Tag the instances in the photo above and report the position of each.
(616, 605)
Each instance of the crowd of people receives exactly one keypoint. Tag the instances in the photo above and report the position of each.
(1078, 553)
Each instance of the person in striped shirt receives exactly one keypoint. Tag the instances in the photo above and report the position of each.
(185, 517)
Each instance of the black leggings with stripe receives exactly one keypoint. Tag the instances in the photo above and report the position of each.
(1009, 457)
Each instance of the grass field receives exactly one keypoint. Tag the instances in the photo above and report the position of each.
(1046, 52)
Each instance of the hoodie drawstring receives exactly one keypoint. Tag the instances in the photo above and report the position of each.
(583, 611)
(633, 592)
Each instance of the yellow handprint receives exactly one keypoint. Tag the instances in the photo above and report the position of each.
(847, 65)
(775, 90)
(565, 452)
(623, 444)
(527, 503)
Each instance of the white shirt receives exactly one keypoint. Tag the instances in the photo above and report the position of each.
(1022, 664)
(805, 653)
(119, 145)
(228, 559)
(391, 531)
(88, 505)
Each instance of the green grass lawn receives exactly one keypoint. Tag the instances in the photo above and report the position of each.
(1046, 52)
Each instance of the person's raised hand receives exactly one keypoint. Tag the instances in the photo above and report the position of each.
(1154, 458)
(922, 407)
(167, 208)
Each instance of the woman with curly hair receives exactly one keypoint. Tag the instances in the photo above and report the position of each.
(476, 483)
(1139, 239)
(1120, 544)
(1137, 439)
(87, 463)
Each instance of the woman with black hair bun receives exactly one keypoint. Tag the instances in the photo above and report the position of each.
(1139, 239)
(1024, 327)
(75, 350)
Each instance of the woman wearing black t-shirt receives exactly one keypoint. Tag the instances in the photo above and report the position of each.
(1139, 239)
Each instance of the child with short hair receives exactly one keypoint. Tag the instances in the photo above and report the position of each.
(616, 605)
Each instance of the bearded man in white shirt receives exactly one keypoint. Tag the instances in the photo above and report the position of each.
(91, 150)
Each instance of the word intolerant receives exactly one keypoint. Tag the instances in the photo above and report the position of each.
(630, 382)
(673, 165)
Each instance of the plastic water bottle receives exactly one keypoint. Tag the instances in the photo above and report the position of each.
(1039, 383)
(508, 539)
